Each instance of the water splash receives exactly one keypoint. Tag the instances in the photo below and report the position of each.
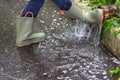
(82, 31)
(91, 33)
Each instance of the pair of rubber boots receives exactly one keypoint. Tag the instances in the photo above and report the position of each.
(25, 35)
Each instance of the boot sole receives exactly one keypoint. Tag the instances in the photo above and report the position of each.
(27, 44)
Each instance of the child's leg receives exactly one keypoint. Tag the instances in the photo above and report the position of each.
(74, 11)
(33, 6)
(24, 24)
(63, 4)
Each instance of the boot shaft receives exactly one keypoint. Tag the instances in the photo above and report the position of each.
(24, 26)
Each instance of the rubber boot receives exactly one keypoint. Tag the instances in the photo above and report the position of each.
(24, 32)
(75, 11)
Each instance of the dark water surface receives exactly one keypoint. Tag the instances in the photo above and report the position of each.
(68, 52)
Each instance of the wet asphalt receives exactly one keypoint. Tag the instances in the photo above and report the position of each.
(62, 56)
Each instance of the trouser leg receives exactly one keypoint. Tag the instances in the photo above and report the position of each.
(32, 6)
(63, 4)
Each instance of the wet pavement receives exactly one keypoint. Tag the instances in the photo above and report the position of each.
(70, 51)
